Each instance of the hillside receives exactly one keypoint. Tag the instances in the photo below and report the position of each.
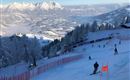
(115, 16)
(81, 70)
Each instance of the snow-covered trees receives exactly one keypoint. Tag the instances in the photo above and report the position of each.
(67, 42)
(51, 49)
(0, 42)
(16, 49)
(127, 19)
(94, 26)
(4, 58)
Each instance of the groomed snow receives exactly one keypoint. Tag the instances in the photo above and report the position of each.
(119, 65)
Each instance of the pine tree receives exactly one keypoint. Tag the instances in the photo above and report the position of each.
(94, 26)
(26, 55)
(116, 24)
(102, 27)
(0, 41)
(127, 19)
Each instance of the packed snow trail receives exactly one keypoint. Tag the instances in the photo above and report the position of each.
(119, 65)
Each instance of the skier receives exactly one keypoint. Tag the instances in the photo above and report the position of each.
(90, 58)
(115, 45)
(120, 42)
(96, 65)
(116, 51)
(92, 45)
(104, 46)
(99, 46)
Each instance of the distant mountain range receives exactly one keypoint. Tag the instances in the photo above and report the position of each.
(31, 6)
(52, 20)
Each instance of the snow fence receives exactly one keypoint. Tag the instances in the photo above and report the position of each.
(32, 73)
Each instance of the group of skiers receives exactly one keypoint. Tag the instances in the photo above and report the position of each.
(96, 65)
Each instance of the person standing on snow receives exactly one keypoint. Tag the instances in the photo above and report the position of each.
(116, 51)
(96, 65)
(90, 58)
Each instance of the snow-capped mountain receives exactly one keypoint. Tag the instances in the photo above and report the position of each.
(50, 5)
(31, 6)
(49, 19)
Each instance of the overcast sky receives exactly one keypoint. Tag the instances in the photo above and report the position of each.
(69, 2)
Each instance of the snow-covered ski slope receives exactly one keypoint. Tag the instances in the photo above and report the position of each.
(119, 65)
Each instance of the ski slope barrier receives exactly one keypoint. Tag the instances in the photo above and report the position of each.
(41, 69)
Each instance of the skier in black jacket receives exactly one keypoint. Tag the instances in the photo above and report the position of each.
(116, 51)
(96, 65)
